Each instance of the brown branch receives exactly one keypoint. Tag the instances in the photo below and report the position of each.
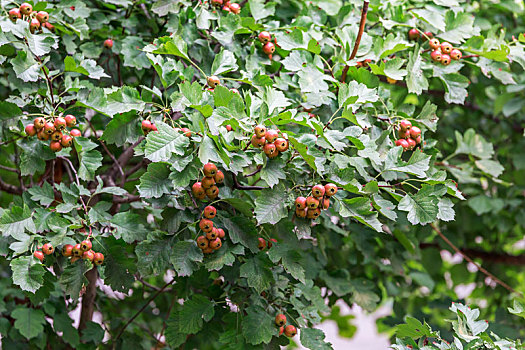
(6, 168)
(238, 186)
(129, 198)
(364, 12)
(259, 168)
(124, 158)
(492, 257)
(467, 258)
(4, 186)
(88, 299)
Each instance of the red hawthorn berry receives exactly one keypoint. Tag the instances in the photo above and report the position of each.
(414, 132)
(108, 44)
(445, 59)
(216, 2)
(75, 133)
(221, 233)
(49, 128)
(48, 249)
(326, 203)
(436, 56)
(98, 259)
(71, 121)
(210, 170)
(42, 136)
(72, 8)
(67, 250)
(34, 25)
(281, 144)
(313, 213)
(261, 244)
(56, 136)
(219, 177)
(39, 255)
(271, 135)
(55, 146)
(413, 34)
(411, 143)
(77, 250)
(59, 123)
(271, 242)
(281, 331)
(446, 47)
(301, 213)
(89, 255)
(226, 8)
(202, 242)
(197, 189)
(312, 203)
(214, 233)
(216, 244)
(300, 203)
(258, 141)
(405, 124)
(269, 48)
(434, 44)
(206, 225)
(280, 320)
(402, 133)
(207, 182)
(228, 128)
(264, 37)
(187, 132)
(66, 141)
(235, 8)
(49, 26)
(260, 131)
(212, 192)
(418, 139)
(318, 191)
(42, 16)
(290, 331)
(455, 54)
(30, 130)
(270, 150)
(26, 9)
(210, 212)
(39, 123)
(213, 81)
(330, 189)
(208, 251)
(86, 245)
(146, 126)
(403, 143)
(14, 14)
(428, 36)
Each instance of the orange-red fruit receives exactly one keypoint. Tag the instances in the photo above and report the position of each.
(221, 233)
(30, 130)
(260, 131)
(428, 36)
(418, 139)
(216, 2)
(66, 141)
(413, 34)
(330, 189)
(67, 250)
(300, 203)
(213, 81)
(301, 213)
(75, 133)
(212, 192)
(48, 249)
(262, 243)
(270, 150)
(313, 213)
(229, 127)
(77, 250)
(26, 8)
(264, 37)
(434, 44)
(455, 54)
(55, 146)
(39, 255)
(281, 330)
(411, 143)
(436, 56)
(206, 225)
(89, 255)
(14, 14)
(186, 131)
(210, 170)
(403, 143)
(210, 212)
(86, 245)
(446, 47)
(415, 132)
(271, 242)
(216, 244)
(49, 128)
(326, 203)
(202, 242)
(98, 258)
(318, 191)
(56, 136)
(290, 331)
(312, 203)
(71, 121)
(207, 182)
(281, 144)
(39, 123)
(405, 124)
(280, 320)
(42, 135)
(226, 8)
(42, 16)
(258, 141)
(146, 126)
(60, 123)
(49, 26)
(269, 48)
(197, 189)
(271, 135)
(108, 43)
(219, 177)
(211, 235)
(445, 59)
(235, 8)
(34, 25)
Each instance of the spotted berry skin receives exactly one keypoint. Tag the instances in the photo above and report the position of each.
(261, 243)
(26, 9)
(264, 37)
(202, 242)
(455, 54)
(210, 170)
(436, 56)
(14, 14)
(271, 135)
(300, 203)
(330, 189)
(290, 331)
(434, 44)
(281, 144)
(48, 249)
(445, 59)
(98, 259)
(219, 177)
(210, 212)
(269, 48)
(213, 81)
(206, 225)
(86, 245)
(312, 203)
(280, 320)
(318, 191)
(403, 143)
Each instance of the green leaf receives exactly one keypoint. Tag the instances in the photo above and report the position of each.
(428, 116)
(186, 257)
(242, 230)
(417, 165)
(416, 80)
(312, 338)
(257, 326)
(261, 9)
(491, 167)
(270, 206)
(161, 145)
(258, 273)
(459, 27)
(153, 256)
(62, 323)
(422, 207)
(155, 182)
(72, 278)
(129, 226)
(413, 329)
(273, 172)
(455, 87)
(359, 208)
(194, 312)
(123, 128)
(118, 267)
(41, 44)
(15, 221)
(25, 66)
(518, 308)
(224, 62)
(223, 257)
(29, 322)
(34, 156)
(88, 67)
(274, 99)
(474, 144)
(28, 273)
(93, 333)
(133, 54)
(89, 158)
(173, 45)
(44, 195)
(290, 258)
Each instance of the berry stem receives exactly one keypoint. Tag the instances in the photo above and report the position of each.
(364, 12)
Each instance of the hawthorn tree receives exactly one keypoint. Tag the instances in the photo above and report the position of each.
(216, 175)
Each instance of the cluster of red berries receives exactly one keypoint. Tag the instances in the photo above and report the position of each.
(54, 129)
(414, 35)
(363, 63)
(290, 331)
(80, 250)
(263, 243)
(444, 52)
(211, 240)
(213, 81)
(269, 140)
(37, 20)
(268, 47)
(208, 185)
(310, 207)
(409, 136)
(227, 6)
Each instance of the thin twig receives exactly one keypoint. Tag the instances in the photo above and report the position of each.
(364, 11)
(238, 186)
(6, 168)
(480, 268)
(76, 180)
(259, 168)
(123, 177)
